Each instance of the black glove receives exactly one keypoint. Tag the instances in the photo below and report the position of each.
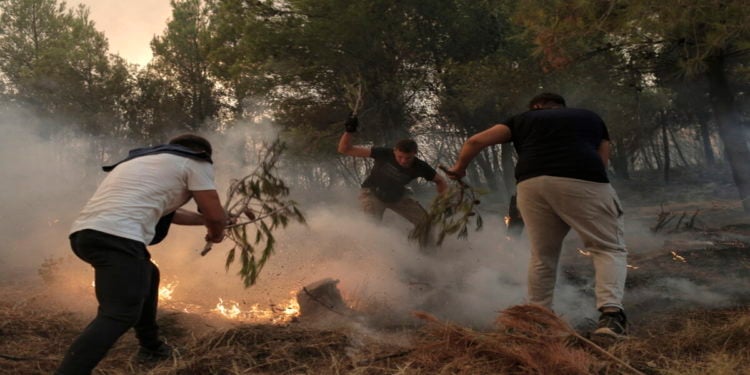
(351, 124)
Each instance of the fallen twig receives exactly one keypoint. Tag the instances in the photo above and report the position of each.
(605, 353)
(382, 358)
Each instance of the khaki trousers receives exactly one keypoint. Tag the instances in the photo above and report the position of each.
(550, 206)
(407, 207)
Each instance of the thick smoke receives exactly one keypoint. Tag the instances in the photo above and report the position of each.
(377, 266)
(44, 183)
(47, 178)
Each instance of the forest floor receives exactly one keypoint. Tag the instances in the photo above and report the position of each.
(703, 251)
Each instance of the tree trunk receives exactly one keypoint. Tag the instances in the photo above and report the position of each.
(489, 174)
(650, 164)
(730, 128)
(654, 150)
(677, 148)
(509, 171)
(708, 151)
(665, 142)
(620, 160)
(500, 172)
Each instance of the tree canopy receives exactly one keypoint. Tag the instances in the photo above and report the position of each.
(669, 78)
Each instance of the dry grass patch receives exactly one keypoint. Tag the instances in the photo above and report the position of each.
(696, 342)
(527, 340)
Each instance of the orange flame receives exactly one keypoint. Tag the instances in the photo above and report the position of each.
(678, 257)
(165, 291)
(229, 309)
(587, 253)
(274, 313)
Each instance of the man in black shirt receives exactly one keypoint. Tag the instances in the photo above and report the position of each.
(562, 184)
(385, 186)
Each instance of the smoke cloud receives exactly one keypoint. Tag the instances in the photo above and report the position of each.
(48, 176)
(43, 186)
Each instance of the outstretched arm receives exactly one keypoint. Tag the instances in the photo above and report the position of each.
(214, 217)
(185, 217)
(499, 133)
(440, 183)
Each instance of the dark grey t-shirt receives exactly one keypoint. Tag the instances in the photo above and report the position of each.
(388, 179)
(559, 142)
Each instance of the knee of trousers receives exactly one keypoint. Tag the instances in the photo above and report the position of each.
(124, 314)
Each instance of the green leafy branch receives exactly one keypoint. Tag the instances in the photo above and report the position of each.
(259, 204)
(450, 213)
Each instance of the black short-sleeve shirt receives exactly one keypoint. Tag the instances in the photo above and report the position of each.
(560, 142)
(388, 179)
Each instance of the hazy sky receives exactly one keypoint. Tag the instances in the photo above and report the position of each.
(129, 25)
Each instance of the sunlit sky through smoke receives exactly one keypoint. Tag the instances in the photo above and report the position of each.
(129, 25)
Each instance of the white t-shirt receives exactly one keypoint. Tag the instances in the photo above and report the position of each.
(132, 198)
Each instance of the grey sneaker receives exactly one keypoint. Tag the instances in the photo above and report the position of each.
(160, 353)
(613, 325)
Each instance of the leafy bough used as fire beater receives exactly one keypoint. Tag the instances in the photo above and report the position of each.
(450, 213)
(257, 202)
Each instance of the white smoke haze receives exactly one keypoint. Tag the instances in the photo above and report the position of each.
(43, 186)
(375, 264)
(50, 180)
(685, 290)
(47, 180)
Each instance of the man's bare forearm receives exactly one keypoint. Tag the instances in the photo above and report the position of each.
(215, 219)
(185, 217)
(345, 143)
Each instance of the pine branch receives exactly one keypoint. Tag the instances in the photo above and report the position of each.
(261, 197)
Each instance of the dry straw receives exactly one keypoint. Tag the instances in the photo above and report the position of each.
(530, 340)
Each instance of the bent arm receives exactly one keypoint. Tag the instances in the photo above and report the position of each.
(185, 217)
(499, 133)
(346, 147)
(440, 183)
(604, 150)
(214, 217)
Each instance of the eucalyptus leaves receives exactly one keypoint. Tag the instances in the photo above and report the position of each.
(450, 213)
(258, 202)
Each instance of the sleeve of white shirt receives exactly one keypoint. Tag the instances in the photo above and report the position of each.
(200, 175)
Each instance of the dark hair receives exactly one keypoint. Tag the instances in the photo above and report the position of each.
(193, 142)
(547, 99)
(406, 145)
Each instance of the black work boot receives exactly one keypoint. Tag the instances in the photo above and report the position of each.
(155, 354)
(612, 326)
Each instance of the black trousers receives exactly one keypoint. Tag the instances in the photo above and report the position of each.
(127, 289)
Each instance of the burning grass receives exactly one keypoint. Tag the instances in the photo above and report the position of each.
(527, 340)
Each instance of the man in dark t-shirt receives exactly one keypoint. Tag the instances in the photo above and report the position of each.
(385, 186)
(562, 184)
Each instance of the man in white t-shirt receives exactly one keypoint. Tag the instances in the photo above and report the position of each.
(112, 232)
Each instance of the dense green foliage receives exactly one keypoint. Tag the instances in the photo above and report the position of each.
(670, 78)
